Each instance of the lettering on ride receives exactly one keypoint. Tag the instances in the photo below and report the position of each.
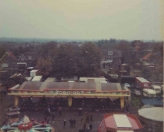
(69, 92)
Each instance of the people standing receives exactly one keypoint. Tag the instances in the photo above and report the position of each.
(64, 123)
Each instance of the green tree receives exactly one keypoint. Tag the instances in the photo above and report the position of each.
(2, 50)
(89, 59)
(44, 66)
(47, 49)
(64, 62)
(69, 60)
(125, 48)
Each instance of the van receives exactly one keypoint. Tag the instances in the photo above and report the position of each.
(149, 93)
(156, 88)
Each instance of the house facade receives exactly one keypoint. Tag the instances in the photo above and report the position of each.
(111, 59)
(8, 63)
(26, 60)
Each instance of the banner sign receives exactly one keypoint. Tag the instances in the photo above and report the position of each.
(68, 92)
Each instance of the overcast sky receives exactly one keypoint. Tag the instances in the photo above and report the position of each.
(81, 19)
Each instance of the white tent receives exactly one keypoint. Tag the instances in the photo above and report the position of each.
(153, 113)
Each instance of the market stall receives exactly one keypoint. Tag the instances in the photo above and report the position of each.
(152, 118)
(119, 122)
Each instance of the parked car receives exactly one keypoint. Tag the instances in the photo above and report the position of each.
(156, 88)
(149, 93)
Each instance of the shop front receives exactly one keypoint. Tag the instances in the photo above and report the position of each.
(76, 93)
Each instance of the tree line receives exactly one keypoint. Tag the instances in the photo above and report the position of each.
(67, 60)
(70, 59)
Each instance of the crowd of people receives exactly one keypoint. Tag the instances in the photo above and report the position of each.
(87, 103)
(88, 119)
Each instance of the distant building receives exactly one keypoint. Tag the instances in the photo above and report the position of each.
(8, 62)
(111, 59)
(26, 60)
(135, 73)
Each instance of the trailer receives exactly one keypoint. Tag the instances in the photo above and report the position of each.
(142, 82)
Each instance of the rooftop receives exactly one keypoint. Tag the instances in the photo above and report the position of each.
(153, 113)
(121, 121)
(142, 79)
(87, 89)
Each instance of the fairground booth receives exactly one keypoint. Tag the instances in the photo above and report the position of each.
(70, 91)
(13, 114)
(119, 122)
(152, 118)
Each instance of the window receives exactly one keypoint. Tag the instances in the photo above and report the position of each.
(4, 65)
(110, 52)
(22, 58)
(29, 57)
(145, 85)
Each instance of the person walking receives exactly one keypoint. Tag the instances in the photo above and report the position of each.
(90, 127)
(87, 118)
(84, 126)
(1, 99)
(81, 120)
(64, 123)
(46, 119)
(48, 111)
(53, 116)
(91, 117)
(74, 122)
(87, 130)
(80, 111)
(59, 109)
(45, 111)
(70, 121)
